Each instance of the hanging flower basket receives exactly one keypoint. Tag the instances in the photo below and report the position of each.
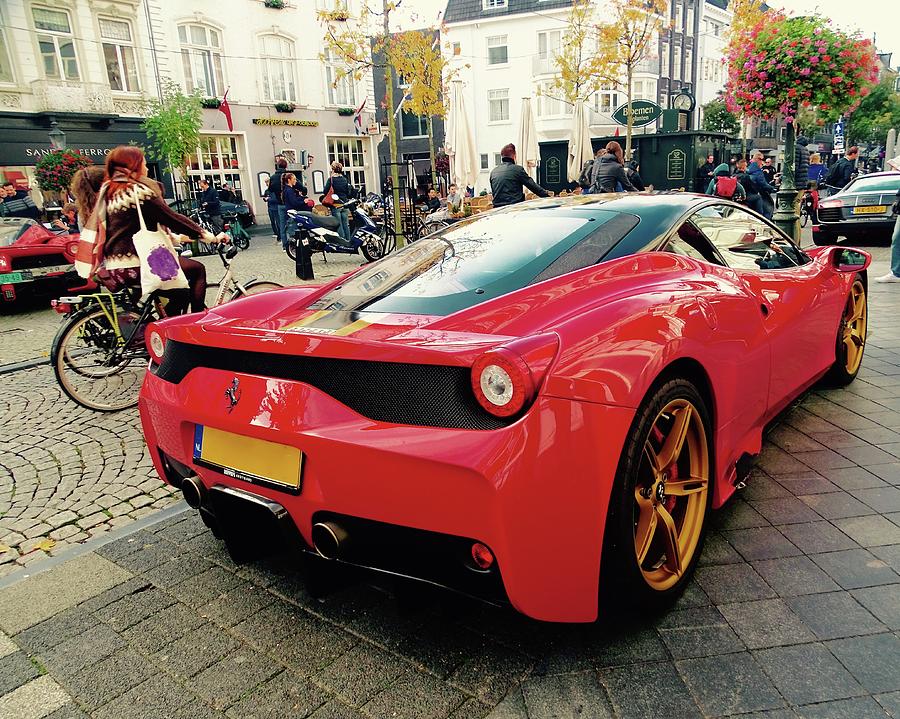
(345, 111)
(55, 170)
(783, 65)
(285, 106)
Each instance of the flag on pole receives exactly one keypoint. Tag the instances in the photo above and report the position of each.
(357, 117)
(617, 132)
(226, 110)
(403, 100)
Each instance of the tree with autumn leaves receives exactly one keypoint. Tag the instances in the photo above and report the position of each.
(605, 53)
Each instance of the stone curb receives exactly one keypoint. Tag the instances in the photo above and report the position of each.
(93, 544)
(23, 365)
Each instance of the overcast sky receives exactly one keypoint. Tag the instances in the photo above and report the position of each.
(867, 16)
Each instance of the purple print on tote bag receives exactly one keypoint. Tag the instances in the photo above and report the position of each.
(162, 263)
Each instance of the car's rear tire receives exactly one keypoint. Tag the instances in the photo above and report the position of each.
(851, 337)
(660, 500)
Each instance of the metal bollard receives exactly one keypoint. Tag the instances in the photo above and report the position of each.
(304, 266)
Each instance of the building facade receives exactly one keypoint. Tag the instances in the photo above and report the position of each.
(503, 51)
(84, 65)
(90, 66)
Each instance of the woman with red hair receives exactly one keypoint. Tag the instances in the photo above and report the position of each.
(126, 186)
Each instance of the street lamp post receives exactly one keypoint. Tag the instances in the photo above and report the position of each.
(786, 216)
(57, 137)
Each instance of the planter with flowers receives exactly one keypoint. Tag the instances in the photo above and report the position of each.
(275, 4)
(345, 111)
(285, 106)
(54, 171)
(210, 103)
(787, 65)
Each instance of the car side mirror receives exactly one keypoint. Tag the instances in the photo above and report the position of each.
(845, 259)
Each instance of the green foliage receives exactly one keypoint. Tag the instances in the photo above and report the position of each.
(878, 112)
(210, 103)
(285, 106)
(274, 4)
(345, 111)
(718, 118)
(173, 125)
(55, 170)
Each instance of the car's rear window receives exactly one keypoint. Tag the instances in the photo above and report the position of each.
(885, 183)
(469, 263)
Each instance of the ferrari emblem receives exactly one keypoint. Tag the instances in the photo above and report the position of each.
(233, 394)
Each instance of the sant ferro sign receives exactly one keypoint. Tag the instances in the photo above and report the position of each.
(280, 121)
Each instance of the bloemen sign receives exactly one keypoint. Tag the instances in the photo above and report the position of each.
(783, 64)
(643, 111)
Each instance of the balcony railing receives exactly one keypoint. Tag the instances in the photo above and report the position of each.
(71, 96)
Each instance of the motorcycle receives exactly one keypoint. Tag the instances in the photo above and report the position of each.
(320, 234)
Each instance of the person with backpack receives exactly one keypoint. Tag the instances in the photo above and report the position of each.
(842, 171)
(339, 191)
(586, 178)
(610, 176)
(751, 194)
(725, 185)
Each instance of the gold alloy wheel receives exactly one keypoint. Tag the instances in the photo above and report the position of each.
(853, 327)
(671, 494)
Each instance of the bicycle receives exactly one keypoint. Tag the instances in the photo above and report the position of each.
(98, 354)
(240, 238)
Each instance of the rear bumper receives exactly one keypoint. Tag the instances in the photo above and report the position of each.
(857, 227)
(535, 492)
(43, 284)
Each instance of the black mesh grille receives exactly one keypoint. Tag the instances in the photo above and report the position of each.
(29, 262)
(417, 394)
(830, 214)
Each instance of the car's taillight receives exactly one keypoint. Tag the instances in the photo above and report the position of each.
(156, 342)
(831, 203)
(4, 262)
(505, 379)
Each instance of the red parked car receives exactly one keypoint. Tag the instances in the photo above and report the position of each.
(35, 260)
(540, 405)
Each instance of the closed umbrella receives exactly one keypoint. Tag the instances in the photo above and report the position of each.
(527, 150)
(580, 150)
(460, 143)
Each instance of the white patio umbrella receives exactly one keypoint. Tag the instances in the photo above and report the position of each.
(580, 150)
(460, 143)
(527, 150)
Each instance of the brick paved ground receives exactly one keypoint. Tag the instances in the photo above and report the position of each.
(794, 611)
(67, 473)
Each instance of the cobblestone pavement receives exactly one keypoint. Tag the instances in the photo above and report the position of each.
(794, 611)
(66, 473)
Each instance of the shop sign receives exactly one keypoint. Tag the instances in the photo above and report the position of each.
(38, 152)
(675, 165)
(269, 121)
(643, 112)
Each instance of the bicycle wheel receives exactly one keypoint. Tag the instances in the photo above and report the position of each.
(292, 248)
(256, 287)
(94, 364)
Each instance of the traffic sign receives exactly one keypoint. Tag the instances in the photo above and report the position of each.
(839, 136)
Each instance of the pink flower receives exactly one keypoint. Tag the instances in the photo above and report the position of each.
(805, 71)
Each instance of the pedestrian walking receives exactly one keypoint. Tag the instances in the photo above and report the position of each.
(841, 172)
(595, 167)
(280, 209)
(763, 187)
(894, 274)
(816, 169)
(508, 180)
(611, 176)
(751, 193)
(769, 170)
(271, 198)
(210, 204)
(705, 173)
(339, 191)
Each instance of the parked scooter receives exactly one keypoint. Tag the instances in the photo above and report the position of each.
(320, 233)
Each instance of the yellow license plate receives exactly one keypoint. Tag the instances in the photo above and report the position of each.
(249, 459)
(870, 210)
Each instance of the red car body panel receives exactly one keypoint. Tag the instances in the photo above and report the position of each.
(43, 255)
(535, 491)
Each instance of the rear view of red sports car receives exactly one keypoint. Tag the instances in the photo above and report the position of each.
(540, 405)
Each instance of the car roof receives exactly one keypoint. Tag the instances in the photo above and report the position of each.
(657, 205)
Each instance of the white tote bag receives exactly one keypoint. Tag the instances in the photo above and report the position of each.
(159, 261)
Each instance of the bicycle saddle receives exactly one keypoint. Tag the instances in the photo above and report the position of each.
(325, 221)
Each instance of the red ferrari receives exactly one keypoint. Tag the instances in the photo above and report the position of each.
(540, 405)
(34, 259)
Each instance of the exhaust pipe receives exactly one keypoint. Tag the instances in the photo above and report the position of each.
(193, 491)
(329, 539)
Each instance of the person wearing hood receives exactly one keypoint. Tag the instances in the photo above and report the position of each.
(751, 194)
(762, 186)
(725, 185)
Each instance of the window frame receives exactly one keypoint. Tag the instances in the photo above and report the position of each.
(288, 61)
(504, 45)
(211, 56)
(331, 88)
(494, 4)
(118, 46)
(491, 100)
(423, 126)
(55, 36)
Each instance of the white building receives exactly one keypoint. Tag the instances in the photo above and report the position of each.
(503, 51)
(90, 64)
(713, 72)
